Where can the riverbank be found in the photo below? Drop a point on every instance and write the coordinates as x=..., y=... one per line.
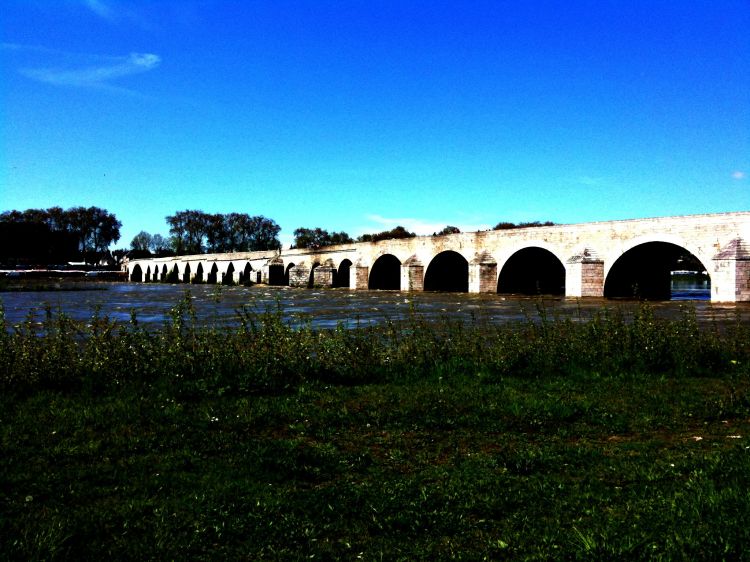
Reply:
x=621, y=437
x=36, y=280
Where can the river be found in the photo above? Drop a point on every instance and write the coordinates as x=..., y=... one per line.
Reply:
x=327, y=308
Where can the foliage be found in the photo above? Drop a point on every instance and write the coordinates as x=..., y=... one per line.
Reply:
x=55, y=234
x=621, y=437
x=194, y=232
x=318, y=238
x=448, y=230
x=398, y=232
x=511, y=225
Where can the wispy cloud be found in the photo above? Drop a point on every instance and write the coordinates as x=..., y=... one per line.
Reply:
x=79, y=70
x=739, y=175
x=418, y=226
x=101, y=9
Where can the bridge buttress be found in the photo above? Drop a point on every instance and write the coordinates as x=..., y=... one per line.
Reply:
x=730, y=278
x=584, y=275
x=359, y=277
x=323, y=275
x=483, y=274
x=412, y=275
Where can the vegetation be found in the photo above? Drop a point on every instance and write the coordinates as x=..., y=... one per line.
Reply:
x=398, y=232
x=511, y=225
x=448, y=230
x=317, y=238
x=56, y=235
x=619, y=437
x=196, y=232
x=145, y=244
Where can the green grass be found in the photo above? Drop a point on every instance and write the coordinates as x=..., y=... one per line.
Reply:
x=623, y=437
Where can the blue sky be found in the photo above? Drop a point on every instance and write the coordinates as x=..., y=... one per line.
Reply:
x=361, y=115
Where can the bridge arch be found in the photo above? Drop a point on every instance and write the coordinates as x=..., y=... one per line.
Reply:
x=385, y=273
x=198, y=277
x=213, y=274
x=341, y=276
x=227, y=278
x=246, y=274
x=288, y=269
x=532, y=270
x=136, y=274
x=645, y=269
x=447, y=271
x=186, y=273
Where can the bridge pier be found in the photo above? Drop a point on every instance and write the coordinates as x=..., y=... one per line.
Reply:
x=584, y=276
x=730, y=279
x=359, y=277
x=412, y=275
x=324, y=274
x=483, y=274
x=299, y=275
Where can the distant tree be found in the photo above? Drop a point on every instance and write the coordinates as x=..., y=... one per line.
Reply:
x=318, y=238
x=448, y=230
x=511, y=225
x=141, y=241
x=398, y=232
x=79, y=232
x=263, y=234
x=189, y=231
x=159, y=245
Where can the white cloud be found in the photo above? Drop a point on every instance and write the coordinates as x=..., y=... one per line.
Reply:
x=739, y=175
x=101, y=9
x=99, y=75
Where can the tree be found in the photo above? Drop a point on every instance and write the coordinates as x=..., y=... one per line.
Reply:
x=195, y=231
x=61, y=234
x=188, y=229
x=141, y=241
x=398, y=232
x=159, y=245
x=448, y=230
x=263, y=234
x=510, y=225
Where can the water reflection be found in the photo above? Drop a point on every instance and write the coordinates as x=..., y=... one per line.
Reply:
x=217, y=305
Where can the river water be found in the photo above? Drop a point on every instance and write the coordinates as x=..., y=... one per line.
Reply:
x=327, y=308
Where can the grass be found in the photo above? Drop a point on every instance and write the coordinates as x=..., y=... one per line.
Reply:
x=620, y=437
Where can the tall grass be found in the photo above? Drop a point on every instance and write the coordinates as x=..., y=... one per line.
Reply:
x=620, y=437
x=263, y=353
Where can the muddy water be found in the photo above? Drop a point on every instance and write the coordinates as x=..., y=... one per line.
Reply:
x=323, y=308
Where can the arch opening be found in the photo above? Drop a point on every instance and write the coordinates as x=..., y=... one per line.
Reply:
x=286, y=274
x=198, y=277
x=228, y=277
x=136, y=274
x=311, y=278
x=449, y=272
x=385, y=274
x=186, y=274
x=147, y=275
x=213, y=274
x=341, y=275
x=246, y=275
x=174, y=275
x=532, y=271
x=164, y=273
x=658, y=271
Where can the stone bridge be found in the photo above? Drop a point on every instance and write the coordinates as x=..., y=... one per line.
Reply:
x=628, y=258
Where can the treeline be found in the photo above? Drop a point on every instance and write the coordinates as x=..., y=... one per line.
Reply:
x=195, y=232
x=57, y=235
x=318, y=237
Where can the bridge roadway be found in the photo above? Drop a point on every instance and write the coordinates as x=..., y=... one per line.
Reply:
x=624, y=258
